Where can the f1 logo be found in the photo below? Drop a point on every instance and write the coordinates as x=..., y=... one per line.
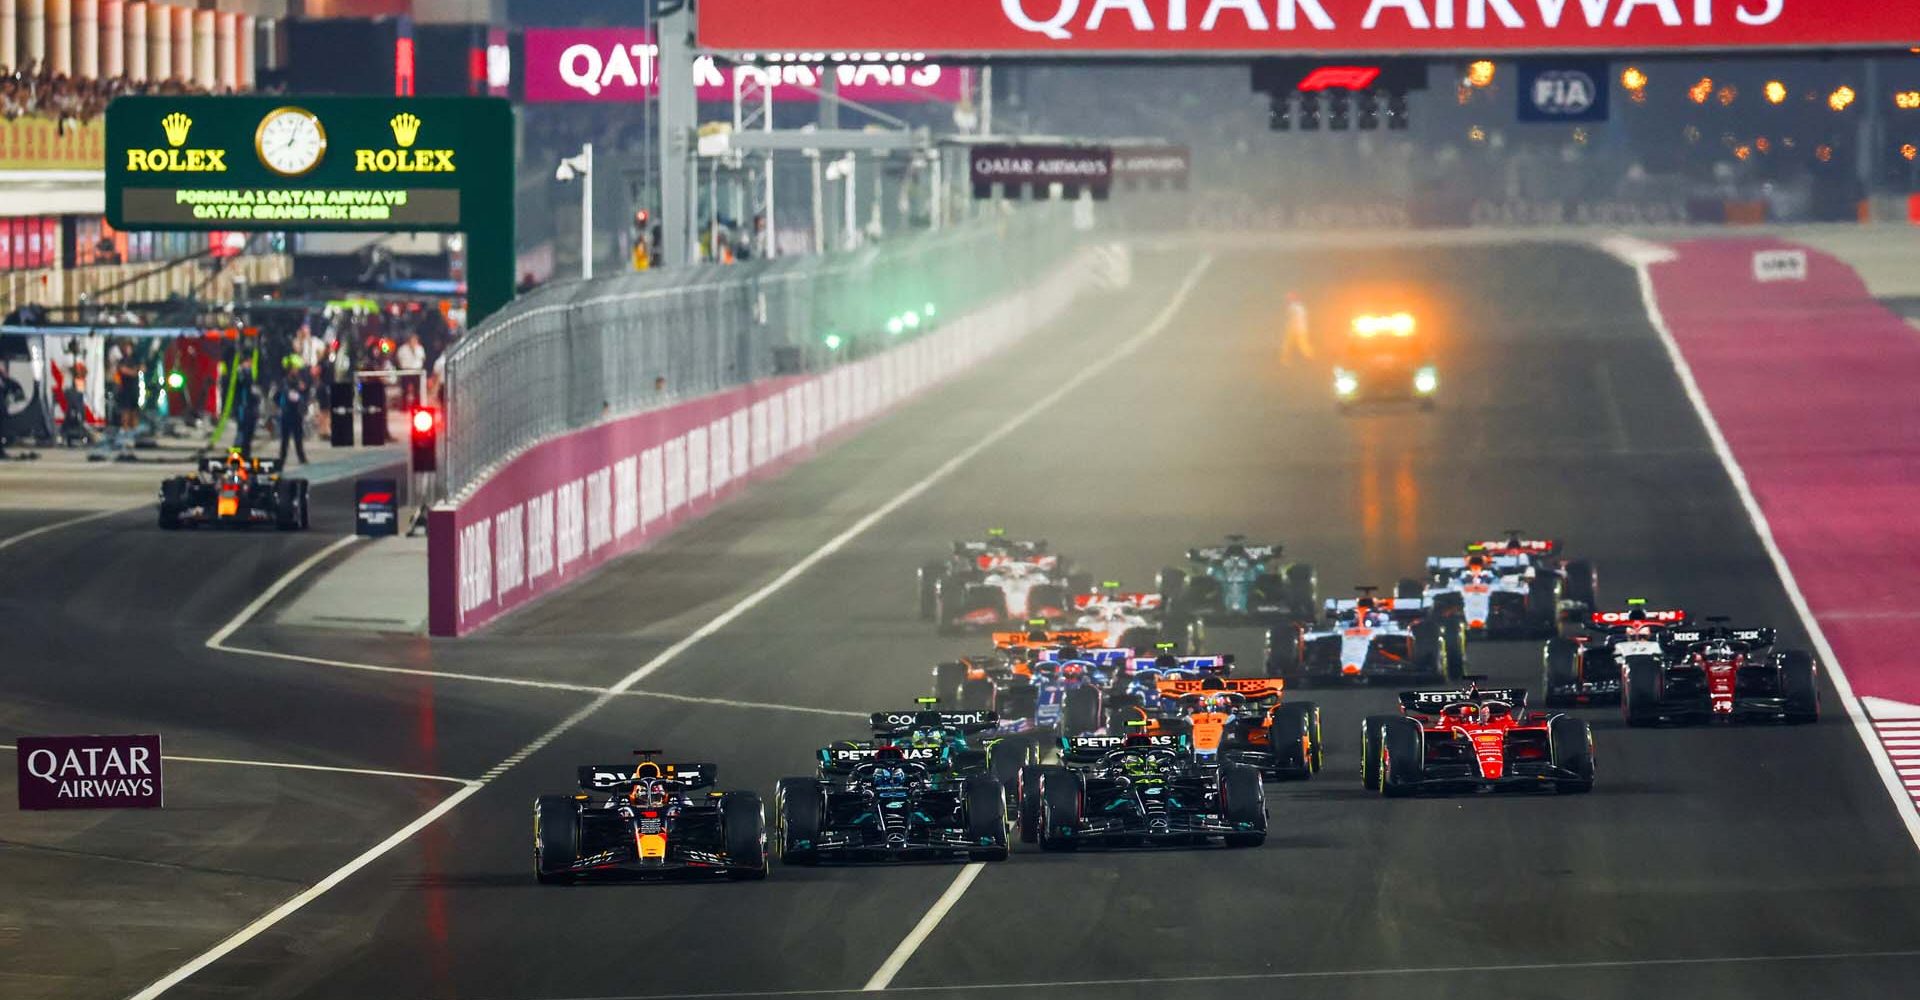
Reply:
x=1340, y=78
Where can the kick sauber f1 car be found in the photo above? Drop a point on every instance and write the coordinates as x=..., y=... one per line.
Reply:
x=1140, y=790
x=1369, y=639
x=1236, y=584
x=889, y=803
x=235, y=491
x=1720, y=673
x=1585, y=670
x=1473, y=739
x=990, y=583
x=651, y=821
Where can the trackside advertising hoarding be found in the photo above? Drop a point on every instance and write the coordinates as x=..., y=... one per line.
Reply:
x=90, y=772
x=620, y=64
x=1307, y=27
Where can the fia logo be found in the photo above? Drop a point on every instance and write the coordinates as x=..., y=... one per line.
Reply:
x=1564, y=92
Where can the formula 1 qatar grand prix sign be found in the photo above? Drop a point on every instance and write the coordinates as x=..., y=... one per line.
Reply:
x=90, y=772
x=1229, y=27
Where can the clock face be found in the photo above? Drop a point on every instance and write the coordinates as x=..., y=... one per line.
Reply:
x=290, y=141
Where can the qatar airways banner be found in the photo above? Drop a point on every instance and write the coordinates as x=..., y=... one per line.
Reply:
x=1228, y=27
x=619, y=64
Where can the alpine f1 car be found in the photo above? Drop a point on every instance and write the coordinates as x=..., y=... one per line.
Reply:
x=1369, y=639
x=1237, y=584
x=1472, y=739
x=649, y=821
x=1385, y=357
x=990, y=583
x=236, y=491
x=1585, y=670
x=1234, y=721
x=889, y=803
x=1038, y=680
x=1140, y=790
x=1503, y=596
x=1719, y=673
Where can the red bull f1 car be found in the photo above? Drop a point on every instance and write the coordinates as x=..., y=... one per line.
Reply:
x=1474, y=739
x=655, y=820
x=1720, y=673
x=234, y=492
x=1140, y=790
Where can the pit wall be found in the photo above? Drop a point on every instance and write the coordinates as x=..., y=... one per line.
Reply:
x=1816, y=388
x=559, y=511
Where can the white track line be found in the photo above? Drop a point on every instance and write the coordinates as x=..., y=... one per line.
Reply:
x=12, y=540
x=290, y=766
x=1641, y=256
x=625, y=685
x=266, y=596
x=897, y=959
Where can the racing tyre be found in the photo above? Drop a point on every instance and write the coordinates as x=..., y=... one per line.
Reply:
x=1640, y=690
x=1172, y=584
x=1005, y=760
x=1543, y=605
x=1079, y=583
x=173, y=499
x=1800, y=685
x=1559, y=685
x=929, y=581
x=1290, y=738
x=743, y=829
x=1283, y=653
x=799, y=809
x=1429, y=656
x=556, y=838
x=306, y=507
x=1029, y=812
x=986, y=816
x=1080, y=711
x=1453, y=648
x=1408, y=587
x=975, y=692
x=1015, y=701
x=286, y=505
x=1403, y=758
x=1303, y=586
x=1196, y=636
x=1449, y=607
x=1583, y=584
x=1572, y=743
x=1371, y=729
x=1318, y=750
x=949, y=684
x=1062, y=802
x=1243, y=804
x=1048, y=601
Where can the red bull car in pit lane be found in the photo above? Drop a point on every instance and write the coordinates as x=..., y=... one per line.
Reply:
x=1369, y=639
x=234, y=492
x=1718, y=673
x=992, y=583
x=1474, y=739
x=650, y=821
x=1585, y=670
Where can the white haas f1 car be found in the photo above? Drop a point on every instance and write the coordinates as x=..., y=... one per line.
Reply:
x=1585, y=670
x=1495, y=596
x=1121, y=619
x=1474, y=739
x=1719, y=673
x=992, y=583
x=1369, y=639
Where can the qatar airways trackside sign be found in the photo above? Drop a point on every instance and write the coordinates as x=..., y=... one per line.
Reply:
x=1227, y=27
x=90, y=772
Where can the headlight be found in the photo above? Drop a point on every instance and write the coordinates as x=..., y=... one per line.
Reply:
x=1398, y=324
x=1344, y=383
x=1425, y=381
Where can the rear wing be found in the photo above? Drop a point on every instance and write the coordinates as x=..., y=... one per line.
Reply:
x=1250, y=688
x=1104, y=656
x=610, y=777
x=1430, y=702
x=1089, y=748
x=1750, y=639
x=1401, y=608
x=1131, y=601
x=844, y=757
x=1454, y=564
x=1218, y=663
x=1650, y=616
x=1212, y=553
x=894, y=723
x=1000, y=544
x=1048, y=637
x=1517, y=546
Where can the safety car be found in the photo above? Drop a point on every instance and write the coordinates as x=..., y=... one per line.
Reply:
x=1385, y=358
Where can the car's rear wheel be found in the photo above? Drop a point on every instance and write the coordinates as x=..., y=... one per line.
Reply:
x=948, y=683
x=1243, y=803
x=743, y=829
x=1404, y=756
x=799, y=809
x=1030, y=810
x=1408, y=587
x=1371, y=740
x=1583, y=584
x=986, y=816
x=1080, y=711
x=1005, y=760
x=1290, y=739
x=1283, y=653
x=1303, y=586
x=173, y=500
x=1571, y=740
x=1640, y=684
x=928, y=580
x=556, y=838
x=1800, y=685
x=1453, y=649
x=1062, y=802
x=1543, y=604
x=1559, y=686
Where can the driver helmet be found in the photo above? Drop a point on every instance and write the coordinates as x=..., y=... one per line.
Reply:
x=1476, y=563
x=923, y=736
x=1214, y=701
x=1139, y=765
x=1720, y=651
x=650, y=793
x=1166, y=661
x=1073, y=671
x=889, y=775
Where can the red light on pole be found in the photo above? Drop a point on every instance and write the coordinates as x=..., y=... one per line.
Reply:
x=1340, y=78
x=425, y=439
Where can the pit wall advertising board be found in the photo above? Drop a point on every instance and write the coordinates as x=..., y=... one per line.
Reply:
x=1230, y=27
x=90, y=772
x=618, y=64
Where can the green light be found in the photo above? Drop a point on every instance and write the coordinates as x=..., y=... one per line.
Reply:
x=895, y=325
x=1110, y=584
x=928, y=701
x=1633, y=601
x=175, y=380
x=832, y=341
x=912, y=319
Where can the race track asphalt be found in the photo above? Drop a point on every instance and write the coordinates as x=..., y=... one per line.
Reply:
x=1759, y=862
